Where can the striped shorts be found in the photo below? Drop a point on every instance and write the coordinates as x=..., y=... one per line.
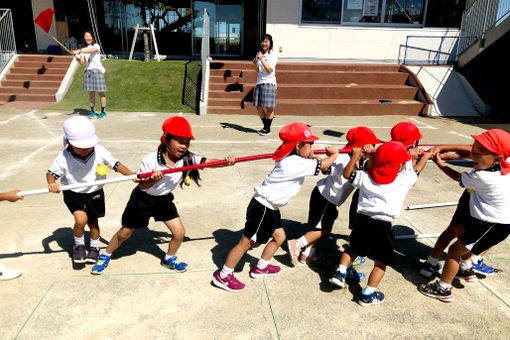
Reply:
x=93, y=80
x=265, y=95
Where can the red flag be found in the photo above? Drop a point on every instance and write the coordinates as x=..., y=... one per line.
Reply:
x=44, y=19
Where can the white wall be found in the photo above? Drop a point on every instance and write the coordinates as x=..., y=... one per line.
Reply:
x=42, y=38
x=380, y=44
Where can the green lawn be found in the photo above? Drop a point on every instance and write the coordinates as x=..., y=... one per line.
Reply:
x=133, y=86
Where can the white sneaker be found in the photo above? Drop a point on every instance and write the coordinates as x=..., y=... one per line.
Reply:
x=8, y=274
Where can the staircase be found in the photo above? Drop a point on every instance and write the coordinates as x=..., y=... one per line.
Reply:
x=318, y=89
x=34, y=78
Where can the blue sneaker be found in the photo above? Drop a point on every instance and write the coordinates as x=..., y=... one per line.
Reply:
x=101, y=264
x=101, y=115
x=92, y=114
x=482, y=268
x=359, y=261
x=428, y=270
x=339, y=279
x=372, y=299
x=174, y=263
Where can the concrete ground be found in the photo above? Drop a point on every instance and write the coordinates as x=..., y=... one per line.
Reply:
x=138, y=298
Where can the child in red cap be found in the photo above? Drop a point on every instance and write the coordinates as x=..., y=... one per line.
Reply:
x=489, y=204
x=294, y=161
x=329, y=193
x=383, y=189
x=153, y=196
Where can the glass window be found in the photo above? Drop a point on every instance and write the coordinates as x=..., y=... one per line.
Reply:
x=362, y=11
x=404, y=11
x=321, y=11
x=445, y=13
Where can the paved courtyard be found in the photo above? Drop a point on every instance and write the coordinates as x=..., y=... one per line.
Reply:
x=139, y=299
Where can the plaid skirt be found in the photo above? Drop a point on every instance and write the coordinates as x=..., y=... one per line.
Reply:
x=265, y=95
x=93, y=80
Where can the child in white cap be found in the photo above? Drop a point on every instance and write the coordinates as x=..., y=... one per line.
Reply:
x=82, y=161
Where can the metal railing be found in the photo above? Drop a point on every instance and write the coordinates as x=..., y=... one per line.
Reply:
x=206, y=60
x=479, y=18
x=7, y=42
x=429, y=50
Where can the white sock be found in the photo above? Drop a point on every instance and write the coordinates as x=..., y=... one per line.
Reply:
x=444, y=285
x=368, y=290
x=168, y=257
x=109, y=255
x=262, y=263
x=342, y=269
x=465, y=265
x=301, y=242
x=79, y=241
x=309, y=251
x=94, y=243
x=476, y=258
x=432, y=260
x=226, y=271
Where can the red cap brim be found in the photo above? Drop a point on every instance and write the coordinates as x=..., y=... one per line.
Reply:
x=283, y=150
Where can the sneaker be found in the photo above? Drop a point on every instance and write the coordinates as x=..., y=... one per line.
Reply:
x=428, y=270
x=355, y=276
x=270, y=270
x=79, y=254
x=92, y=255
x=339, y=279
x=8, y=273
x=229, y=283
x=468, y=275
x=101, y=264
x=174, y=263
x=373, y=299
x=435, y=291
x=482, y=268
x=264, y=132
x=359, y=261
x=312, y=259
x=92, y=114
x=294, y=251
x=101, y=115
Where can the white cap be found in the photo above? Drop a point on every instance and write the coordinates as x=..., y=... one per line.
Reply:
x=80, y=132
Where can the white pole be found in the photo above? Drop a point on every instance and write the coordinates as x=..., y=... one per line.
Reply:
x=432, y=205
x=408, y=237
x=78, y=185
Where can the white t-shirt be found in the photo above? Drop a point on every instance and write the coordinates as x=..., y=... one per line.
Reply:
x=383, y=201
x=263, y=77
x=155, y=161
x=335, y=188
x=285, y=180
x=72, y=169
x=93, y=60
x=490, y=195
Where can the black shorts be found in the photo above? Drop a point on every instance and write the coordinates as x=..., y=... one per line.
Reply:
x=353, y=209
x=372, y=238
x=142, y=206
x=480, y=236
x=321, y=212
x=92, y=204
x=462, y=212
x=261, y=222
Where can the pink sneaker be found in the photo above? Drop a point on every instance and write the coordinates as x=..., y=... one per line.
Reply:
x=315, y=258
x=294, y=251
x=229, y=283
x=270, y=270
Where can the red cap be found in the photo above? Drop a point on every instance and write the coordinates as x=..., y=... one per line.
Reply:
x=291, y=135
x=359, y=136
x=177, y=126
x=387, y=160
x=497, y=141
x=406, y=132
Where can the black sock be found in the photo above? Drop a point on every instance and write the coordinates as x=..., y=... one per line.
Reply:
x=91, y=109
x=267, y=124
x=263, y=122
x=103, y=108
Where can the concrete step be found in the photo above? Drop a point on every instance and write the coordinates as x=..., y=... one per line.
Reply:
x=327, y=91
x=347, y=107
x=233, y=65
x=32, y=83
x=30, y=90
x=42, y=65
x=46, y=58
x=32, y=70
x=23, y=76
x=26, y=97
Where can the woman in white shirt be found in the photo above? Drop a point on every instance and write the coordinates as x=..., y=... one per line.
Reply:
x=93, y=78
x=265, y=89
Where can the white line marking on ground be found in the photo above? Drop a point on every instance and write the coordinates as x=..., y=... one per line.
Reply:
x=17, y=116
x=425, y=125
x=460, y=134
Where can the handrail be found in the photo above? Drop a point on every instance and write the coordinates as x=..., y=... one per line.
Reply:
x=206, y=59
x=7, y=42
